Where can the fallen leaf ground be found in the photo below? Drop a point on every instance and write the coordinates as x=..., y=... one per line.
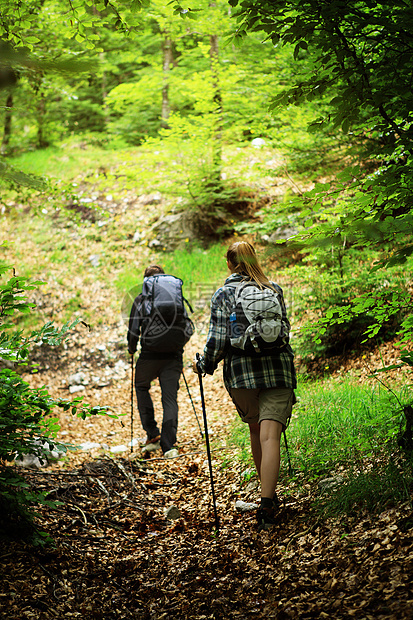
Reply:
x=116, y=554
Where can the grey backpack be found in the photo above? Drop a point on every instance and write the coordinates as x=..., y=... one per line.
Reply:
x=256, y=321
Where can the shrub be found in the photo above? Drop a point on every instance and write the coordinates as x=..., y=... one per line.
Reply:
x=26, y=424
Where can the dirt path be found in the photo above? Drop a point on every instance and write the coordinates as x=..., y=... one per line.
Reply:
x=118, y=555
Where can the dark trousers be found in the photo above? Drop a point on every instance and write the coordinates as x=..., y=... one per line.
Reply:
x=168, y=371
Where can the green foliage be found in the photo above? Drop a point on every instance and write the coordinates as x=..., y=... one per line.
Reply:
x=196, y=173
x=26, y=427
x=343, y=302
x=357, y=53
x=277, y=215
x=135, y=109
x=111, y=84
x=12, y=176
x=348, y=431
x=14, y=346
x=25, y=413
x=329, y=34
x=81, y=20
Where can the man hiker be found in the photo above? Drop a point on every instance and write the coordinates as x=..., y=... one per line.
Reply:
x=159, y=320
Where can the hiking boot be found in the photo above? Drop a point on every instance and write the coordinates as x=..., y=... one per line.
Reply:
x=276, y=502
x=265, y=518
x=171, y=454
x=153, y=440
x=152, y=444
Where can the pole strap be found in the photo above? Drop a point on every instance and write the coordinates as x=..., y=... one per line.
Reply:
x=131, y=406
x=192, y=403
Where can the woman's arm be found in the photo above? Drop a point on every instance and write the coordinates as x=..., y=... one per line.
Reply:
x=218, y=335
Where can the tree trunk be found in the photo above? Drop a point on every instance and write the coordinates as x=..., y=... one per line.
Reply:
x=104, y=89
x=217, y=98
x=166, y=66
x=7, y=124
x=41, y=110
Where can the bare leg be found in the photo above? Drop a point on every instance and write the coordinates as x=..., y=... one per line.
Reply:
x=270, y=435
x=265, y=447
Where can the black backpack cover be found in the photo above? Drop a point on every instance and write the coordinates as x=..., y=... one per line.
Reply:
x=166, y=326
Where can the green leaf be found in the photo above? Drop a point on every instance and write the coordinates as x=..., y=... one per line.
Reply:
x=345, y=125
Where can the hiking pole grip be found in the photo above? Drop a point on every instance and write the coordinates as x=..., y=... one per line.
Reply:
x=201, y=389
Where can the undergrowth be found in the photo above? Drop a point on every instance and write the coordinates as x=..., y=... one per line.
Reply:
x=380, y=485
x=348, y=432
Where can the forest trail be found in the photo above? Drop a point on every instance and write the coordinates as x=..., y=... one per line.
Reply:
x=118, y=556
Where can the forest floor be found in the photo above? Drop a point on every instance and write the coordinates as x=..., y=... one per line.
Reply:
x=118, y=554
x=137, y=539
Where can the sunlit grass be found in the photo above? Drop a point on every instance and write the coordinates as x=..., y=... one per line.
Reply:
x=340, y=421
x=68, y=160
x=199, y=269
x=348, y=430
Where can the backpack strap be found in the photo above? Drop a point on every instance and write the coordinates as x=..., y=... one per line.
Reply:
x=187, y=303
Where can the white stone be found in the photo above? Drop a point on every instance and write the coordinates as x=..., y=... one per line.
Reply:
x=121, y=448
x=257, y=142
x=241, y=506
x=89, y=445
x=76, y=388
x=77, y=379
x=94, y=259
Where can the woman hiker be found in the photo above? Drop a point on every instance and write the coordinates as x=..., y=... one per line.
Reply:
x=261, y=385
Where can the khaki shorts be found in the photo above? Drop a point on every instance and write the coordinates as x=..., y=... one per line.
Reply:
x=255, y=405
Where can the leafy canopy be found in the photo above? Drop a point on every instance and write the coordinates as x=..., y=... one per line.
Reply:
x=359, y=61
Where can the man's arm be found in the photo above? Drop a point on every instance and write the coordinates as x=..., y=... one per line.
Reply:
x=134, y=328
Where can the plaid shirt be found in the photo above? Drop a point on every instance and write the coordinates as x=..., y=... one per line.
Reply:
x=243, y=371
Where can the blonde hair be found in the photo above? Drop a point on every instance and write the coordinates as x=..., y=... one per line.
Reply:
x=241, y=255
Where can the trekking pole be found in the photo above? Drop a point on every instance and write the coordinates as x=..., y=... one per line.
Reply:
x=201, y=389
x=131, y=407
x=290, y=469
x=193, y=406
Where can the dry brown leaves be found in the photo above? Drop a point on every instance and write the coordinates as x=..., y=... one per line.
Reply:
x=117, y=555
